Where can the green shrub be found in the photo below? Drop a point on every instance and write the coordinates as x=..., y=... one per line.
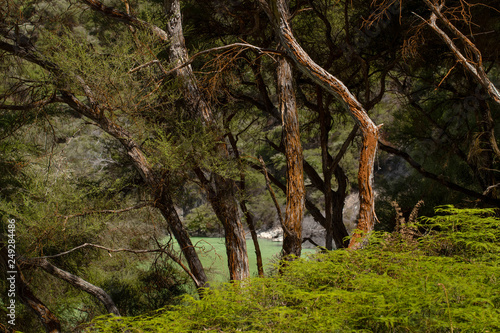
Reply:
x=382, y=288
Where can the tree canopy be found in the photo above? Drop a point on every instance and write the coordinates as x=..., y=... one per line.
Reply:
x=127, y=127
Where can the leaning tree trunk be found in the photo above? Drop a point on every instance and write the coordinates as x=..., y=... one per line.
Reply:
x=194, y=102
x=134, y=151
x=221, y=191
x=49, y=321
x=277, y=10
x=162, y=199
x=295, y=190
x=79, y=283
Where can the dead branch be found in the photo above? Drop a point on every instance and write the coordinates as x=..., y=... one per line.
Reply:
x=473, y=66
x=102, y=248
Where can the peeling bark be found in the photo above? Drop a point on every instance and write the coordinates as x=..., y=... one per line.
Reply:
x=222, y=191
x=295, y=190
x=277, y=11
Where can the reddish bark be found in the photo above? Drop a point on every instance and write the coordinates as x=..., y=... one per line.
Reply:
x=277, y=11
x=295, y=190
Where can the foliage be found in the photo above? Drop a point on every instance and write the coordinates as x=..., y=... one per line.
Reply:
x=201, y=221
x=393, y=285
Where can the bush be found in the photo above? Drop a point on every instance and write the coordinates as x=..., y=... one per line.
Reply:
x=382, y=288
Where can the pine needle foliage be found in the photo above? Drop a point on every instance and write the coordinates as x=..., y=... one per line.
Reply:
x=447, y=282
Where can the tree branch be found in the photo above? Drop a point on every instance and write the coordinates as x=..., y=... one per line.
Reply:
x=107, y=211
x=343, y=149
x=79, y=283
x=110, y=250
x=385, y=146
x=474, y=67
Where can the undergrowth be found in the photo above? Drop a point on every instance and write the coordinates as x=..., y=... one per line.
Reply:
x=445, y=278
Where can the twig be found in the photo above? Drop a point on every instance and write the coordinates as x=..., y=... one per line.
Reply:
x=190, y=60
x=99, y=247
x=152, y=62
x=106, y=211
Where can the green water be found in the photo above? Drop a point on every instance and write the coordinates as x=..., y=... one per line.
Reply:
x=212, y=252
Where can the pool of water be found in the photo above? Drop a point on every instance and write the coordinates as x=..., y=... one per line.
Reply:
x=212, y=252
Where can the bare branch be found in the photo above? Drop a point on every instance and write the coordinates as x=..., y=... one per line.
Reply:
x=215, y=49
x=110, y=211
x=385, y=146
x=475, y=66
x=102, y=248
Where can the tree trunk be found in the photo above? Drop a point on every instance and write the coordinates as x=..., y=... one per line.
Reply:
x=334, y=200
x=23, y=291
x=277, y=11
x=79, y=283
x=243, y=205
x=295, y=190
x=340, y=233
x=325, y=122
x=221, y=191
x=167, y=209
x=253, y=233
x=163, y=201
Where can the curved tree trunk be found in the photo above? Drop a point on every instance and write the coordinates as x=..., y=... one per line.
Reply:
x=277, y=11
x=79, y=283
x=295, y=190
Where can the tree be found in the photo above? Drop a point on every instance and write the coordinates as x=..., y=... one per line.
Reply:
x=278, y=14
x=295, y=191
